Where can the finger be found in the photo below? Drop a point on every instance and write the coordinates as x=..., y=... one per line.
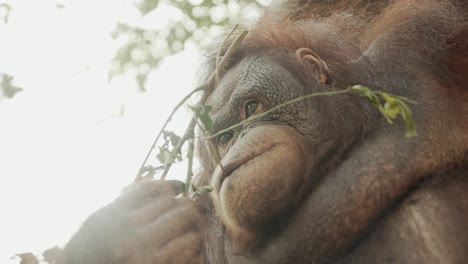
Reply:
x=153, y=210
x=141, y=193
x=177, y=186
x=156, y=187
x=184, y=249
x=173, y=224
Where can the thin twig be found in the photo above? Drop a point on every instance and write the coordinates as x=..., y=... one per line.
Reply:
x=228, y=56
x=218, y=55
x=211, y=148
x=140, y=171
x=188, y=134
x=188, y=178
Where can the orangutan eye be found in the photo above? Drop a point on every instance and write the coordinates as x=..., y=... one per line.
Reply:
x=224, y=138
x=251, y=107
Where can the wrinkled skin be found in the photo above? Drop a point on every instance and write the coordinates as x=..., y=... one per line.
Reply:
x=326, y=179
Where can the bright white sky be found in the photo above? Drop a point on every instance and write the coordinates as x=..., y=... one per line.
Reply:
x=64, y=148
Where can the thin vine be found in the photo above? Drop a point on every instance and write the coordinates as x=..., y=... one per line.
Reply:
x=393, y=105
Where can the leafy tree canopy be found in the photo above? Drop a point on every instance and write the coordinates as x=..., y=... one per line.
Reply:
x=145, y=48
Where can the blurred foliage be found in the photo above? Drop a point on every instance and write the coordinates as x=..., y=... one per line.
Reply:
x=7, y=88
x=5, y=12
x=60, y=5
x=51, y=256
x=27, y=258
x=145, y=48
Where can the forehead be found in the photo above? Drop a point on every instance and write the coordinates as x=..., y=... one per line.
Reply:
x=259, y=72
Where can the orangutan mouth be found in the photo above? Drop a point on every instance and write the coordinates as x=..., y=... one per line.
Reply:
x=229, y=168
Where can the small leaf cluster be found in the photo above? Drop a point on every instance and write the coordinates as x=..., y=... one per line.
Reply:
x=7, y=88
x=170, y=151
x=167, y=152
x=390, y=106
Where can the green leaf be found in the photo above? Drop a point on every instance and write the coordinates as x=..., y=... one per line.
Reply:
x=390, y=99
x=360, y=89
x=172, y=137
x=164, y=156
x=203, y=114
x=391, y=110
x=368, y=93
x=407, y=116
x=393, y=106
x=6, y=86
x=199, y=190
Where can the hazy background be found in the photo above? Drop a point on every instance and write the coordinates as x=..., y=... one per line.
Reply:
x=84, y=87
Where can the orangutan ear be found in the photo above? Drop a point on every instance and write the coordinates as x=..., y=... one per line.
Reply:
x=311, y=58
